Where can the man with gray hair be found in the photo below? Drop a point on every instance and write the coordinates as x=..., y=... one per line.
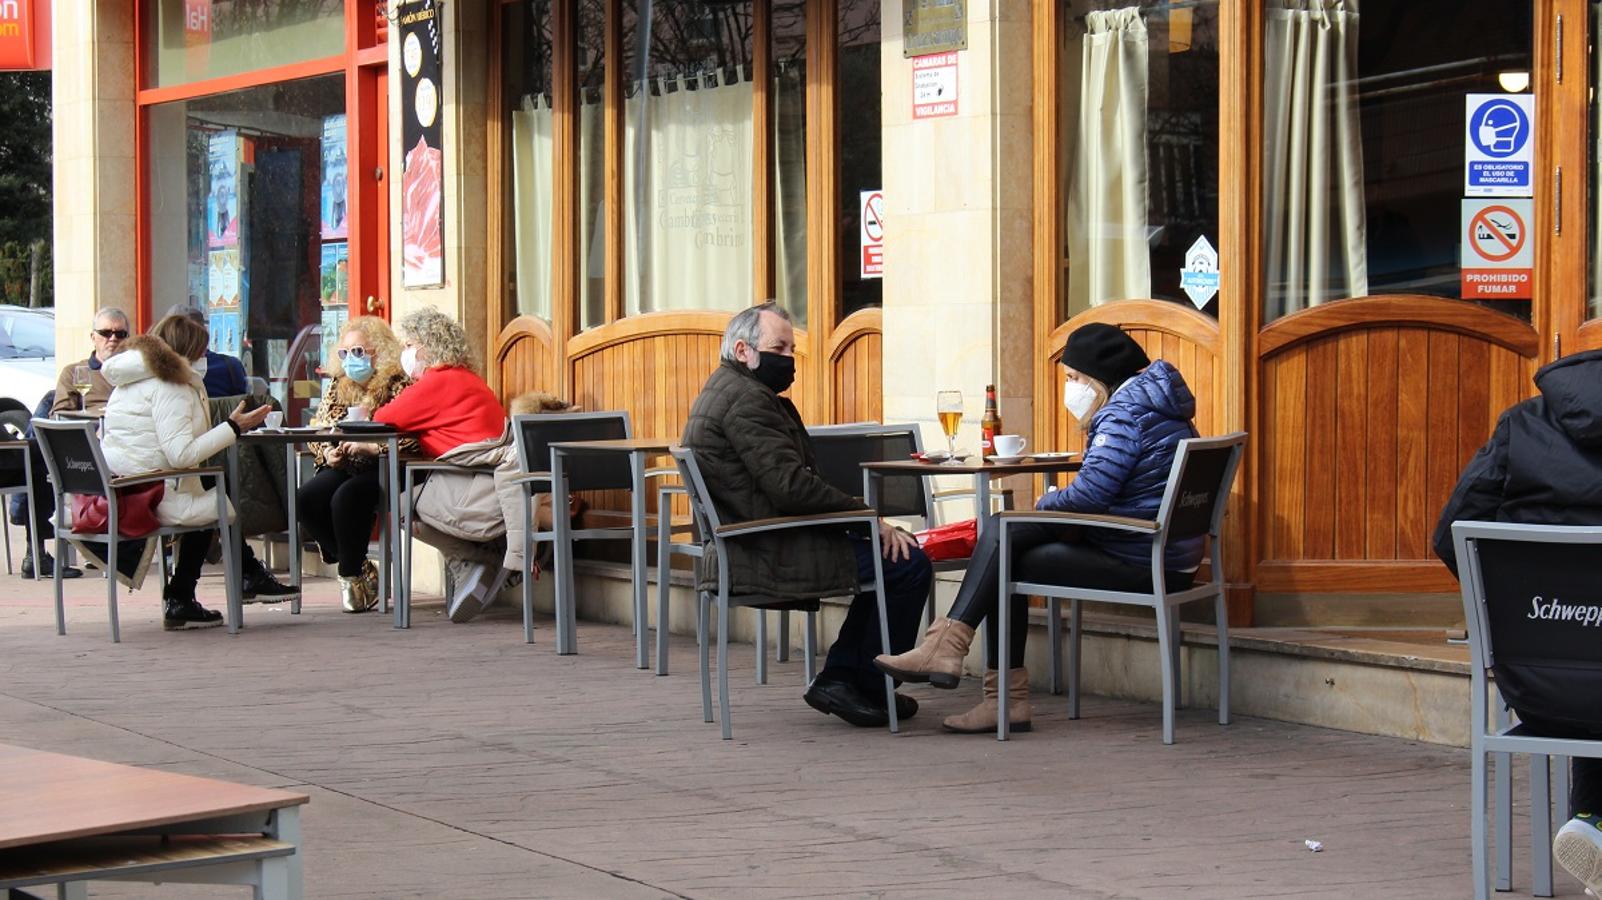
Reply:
x=758, y=463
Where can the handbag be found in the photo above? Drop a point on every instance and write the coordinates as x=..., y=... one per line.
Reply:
x=954, y=540
x=136, y=511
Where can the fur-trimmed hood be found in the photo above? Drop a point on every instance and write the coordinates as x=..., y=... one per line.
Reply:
x=539, y=402
x=144, y=357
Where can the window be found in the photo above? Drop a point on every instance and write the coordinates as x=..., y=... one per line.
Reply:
x=1138, y=121
x=859, y=136
x=789, y=41
x=190, y=41
x=247, y=218
x=687, y=127
x=1363, y=130
x=527, y=64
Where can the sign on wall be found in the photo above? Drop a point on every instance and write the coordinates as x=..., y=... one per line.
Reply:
x=17, y=37
x=1499, y=145
x=934, y=86
x=336, y=183
x=1199, y=278
x=1498, y=258
x=933, y=26
x=422, y=136
x=872, y=234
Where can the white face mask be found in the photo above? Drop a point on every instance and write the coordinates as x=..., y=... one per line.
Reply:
x=1079, y=399
x=199, y=366
x=409, y=363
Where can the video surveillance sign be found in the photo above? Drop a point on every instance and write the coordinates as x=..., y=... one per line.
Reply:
x=1499, y=146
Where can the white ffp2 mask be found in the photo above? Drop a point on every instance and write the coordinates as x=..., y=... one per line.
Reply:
x=1079, y=399
x=409, y=363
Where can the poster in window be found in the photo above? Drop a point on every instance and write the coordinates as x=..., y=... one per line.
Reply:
x=422, y=173
x=222, y=201
x=336, y=275
x=336, y=185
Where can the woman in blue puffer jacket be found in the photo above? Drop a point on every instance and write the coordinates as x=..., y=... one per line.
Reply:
x=1135, y=413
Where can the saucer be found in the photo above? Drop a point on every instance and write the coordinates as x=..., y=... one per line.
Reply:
x=1053, y=454
x=1006, y=460
x=940, y=456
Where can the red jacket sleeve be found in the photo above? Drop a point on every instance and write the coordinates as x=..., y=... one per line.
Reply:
x=408, y=411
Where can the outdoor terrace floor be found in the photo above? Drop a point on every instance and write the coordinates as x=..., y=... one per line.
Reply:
x=455, y=761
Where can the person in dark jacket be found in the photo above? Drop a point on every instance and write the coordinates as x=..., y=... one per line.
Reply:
x=1543, y=466
x=222, y=375
x=1135, y=413
x=758, y=462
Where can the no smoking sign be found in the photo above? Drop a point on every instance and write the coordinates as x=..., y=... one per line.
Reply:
x=1498, y=258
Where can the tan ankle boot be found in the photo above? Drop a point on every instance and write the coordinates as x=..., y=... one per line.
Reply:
x=982, y=718
x=938, y=657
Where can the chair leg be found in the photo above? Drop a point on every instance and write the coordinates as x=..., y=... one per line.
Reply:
x=7, y=526
x=1480, y=867
x=723, y=665
x=236, y=604
x=809, y=646
x=884, y=634
x=1165, y=639
x=61, y=558
x=664, y=571
x=1560, y=788
x=1176, y=649
x=111, y=578
x=702, y=615
x=762, y=646
x=1221, y=612
x=1076, y=625
x=528, y=569
x=929, y=605
x=782, y=654
x=1540, y=825
x=1504, y=807
x=1054, y=638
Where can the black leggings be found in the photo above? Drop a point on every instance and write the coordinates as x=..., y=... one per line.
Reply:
x=339, y=508
x=1585, y=783
x=1043, y=554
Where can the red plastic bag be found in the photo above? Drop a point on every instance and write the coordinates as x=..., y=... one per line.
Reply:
x=954, y=540
x=136, y=511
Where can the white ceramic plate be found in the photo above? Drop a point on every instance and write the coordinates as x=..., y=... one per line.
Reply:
x=940, y=456
x=1054, y=454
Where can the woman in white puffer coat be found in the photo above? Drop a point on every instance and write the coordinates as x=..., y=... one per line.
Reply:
x=157, y=419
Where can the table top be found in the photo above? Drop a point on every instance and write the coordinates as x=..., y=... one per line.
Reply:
x=617, y=445
x=319, y=437
x=1024, y=466
x=53, y=797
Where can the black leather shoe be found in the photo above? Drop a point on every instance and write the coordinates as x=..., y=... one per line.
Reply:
x=49, y=568
x=182, y=615
x=262, y=586
x=833, y=696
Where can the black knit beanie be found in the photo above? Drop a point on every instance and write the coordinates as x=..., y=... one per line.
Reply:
x=1105, y=353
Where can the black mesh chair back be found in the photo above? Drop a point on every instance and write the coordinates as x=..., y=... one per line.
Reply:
x=536, y=432
x=1198, y=488
x=841, y=451
x=702, y=512
x=72, y=455
x=1538, y=599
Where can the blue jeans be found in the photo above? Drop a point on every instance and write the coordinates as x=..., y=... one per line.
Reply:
x=906, y=589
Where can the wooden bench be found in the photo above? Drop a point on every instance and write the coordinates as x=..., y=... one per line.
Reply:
x=67, y=821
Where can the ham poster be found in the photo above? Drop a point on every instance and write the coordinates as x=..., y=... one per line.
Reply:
x=422, y=171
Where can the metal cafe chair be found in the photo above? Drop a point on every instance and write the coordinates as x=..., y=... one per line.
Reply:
x=534, y=433
x=73, y=457
x=26, y=490
x=1193, y=506
x=715, y=538
x=1501, y=567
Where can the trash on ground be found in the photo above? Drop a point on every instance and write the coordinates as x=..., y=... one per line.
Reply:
x=1314, y=846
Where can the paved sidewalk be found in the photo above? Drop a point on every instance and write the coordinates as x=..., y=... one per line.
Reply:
x=455, y=761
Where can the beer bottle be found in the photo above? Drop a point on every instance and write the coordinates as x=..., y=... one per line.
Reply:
x=990, y=425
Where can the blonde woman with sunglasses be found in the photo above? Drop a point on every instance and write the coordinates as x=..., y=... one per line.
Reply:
x=339, y=504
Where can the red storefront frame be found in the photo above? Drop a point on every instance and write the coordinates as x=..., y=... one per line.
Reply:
x=365, y=65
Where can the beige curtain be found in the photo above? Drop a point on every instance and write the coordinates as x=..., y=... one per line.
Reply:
x=592, y=190
x=531, y=206
x=1108, y=255
x=1315, y=228
x=687, y=196
x=1594, y=303
x=790, y=191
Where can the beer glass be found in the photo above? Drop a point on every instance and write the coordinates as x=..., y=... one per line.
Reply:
x=949, y=405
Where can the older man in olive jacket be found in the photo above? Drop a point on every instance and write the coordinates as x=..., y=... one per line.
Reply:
x=758, y=463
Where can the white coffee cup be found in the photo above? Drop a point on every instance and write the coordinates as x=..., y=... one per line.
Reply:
x=1008, y=444
x=356, y=414
x=274, y=421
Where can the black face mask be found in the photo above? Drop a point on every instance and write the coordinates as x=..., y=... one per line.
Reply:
x=775, y=370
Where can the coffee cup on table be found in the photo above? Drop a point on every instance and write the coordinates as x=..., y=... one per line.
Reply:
x=1008, y=444
x=274, y=421
x=356, y=414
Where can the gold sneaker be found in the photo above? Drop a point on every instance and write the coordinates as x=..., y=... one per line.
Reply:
x=355, y=596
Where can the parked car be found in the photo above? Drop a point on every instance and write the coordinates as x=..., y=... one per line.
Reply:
x=27, y=364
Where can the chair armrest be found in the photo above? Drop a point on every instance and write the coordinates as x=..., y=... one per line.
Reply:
x=673, y=489
x=446, y=467
x=1089, y=520
x=23, y=445
x=529, y=478
x=780, y=523
x=951, y=493
x=163, y=475
x=662, y=472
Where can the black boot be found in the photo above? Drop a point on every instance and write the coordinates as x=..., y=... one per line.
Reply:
x=260, y=585
x=48, y=570
x=179, y=615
